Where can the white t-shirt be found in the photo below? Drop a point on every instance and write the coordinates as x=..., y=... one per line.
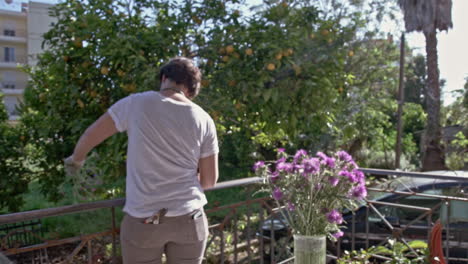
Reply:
x=166, y=139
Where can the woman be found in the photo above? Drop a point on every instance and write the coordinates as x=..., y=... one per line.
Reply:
x=169, y=139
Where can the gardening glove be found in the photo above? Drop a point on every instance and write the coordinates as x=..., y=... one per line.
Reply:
x=72, y=167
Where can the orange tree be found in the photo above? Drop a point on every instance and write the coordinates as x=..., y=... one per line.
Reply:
x=273, y=78
x=277, y=77
x=14, y=161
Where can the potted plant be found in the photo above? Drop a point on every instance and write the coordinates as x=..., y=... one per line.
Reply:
x=314, y=190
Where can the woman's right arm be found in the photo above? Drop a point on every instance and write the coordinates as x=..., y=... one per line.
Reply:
x=208, y=171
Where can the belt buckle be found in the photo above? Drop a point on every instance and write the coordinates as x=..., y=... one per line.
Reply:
x=156, y=217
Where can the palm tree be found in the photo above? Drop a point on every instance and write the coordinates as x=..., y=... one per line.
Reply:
x=428, y=16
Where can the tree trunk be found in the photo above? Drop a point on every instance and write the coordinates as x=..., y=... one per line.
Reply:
x=433, y=151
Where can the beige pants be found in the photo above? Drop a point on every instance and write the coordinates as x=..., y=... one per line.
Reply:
x=181, y=238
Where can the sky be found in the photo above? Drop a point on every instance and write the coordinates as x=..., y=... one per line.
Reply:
x=452, y=45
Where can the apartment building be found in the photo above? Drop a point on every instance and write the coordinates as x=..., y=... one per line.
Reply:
x=21, y=29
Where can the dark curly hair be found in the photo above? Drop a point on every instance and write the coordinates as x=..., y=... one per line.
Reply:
x=182, y=70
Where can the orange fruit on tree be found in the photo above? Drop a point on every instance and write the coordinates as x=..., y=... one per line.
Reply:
x=249, y=51
x=120, y=73
x=225, y=58
x=325, y=32
x=78, y=43
x=222, y=51
x=232, y=83
x=271, y=67
x=290, y=51
x=351, y=53
x=205, y=83
x=197, y=20
x=105, y=70
x=229, y=49
x=86, y=64
x=130, y=87
x=279, y=56
x=80, y=103
x=297, y=69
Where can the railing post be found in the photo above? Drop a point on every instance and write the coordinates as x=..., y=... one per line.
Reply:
x=249, y=248
x=221, y=245
x=272, y=240
x=114, y=240
x=367, y=227
x=447, y=233
x=90, y=252
x=235, y=237
x=262, y=246
x=353, y=232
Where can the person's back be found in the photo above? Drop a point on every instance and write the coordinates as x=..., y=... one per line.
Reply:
x=170, y=139
x=166, y=139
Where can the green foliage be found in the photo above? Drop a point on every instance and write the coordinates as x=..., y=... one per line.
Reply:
x=3, y=111
x=415, y=80
x=13, y=167
x=458, y=158
x=398, y=252
x=293, y=74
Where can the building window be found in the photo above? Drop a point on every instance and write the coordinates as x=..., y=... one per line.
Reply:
x=9, y=32
x=9, y=54
x=8, y=80
x=8, y=85
x=11, y=104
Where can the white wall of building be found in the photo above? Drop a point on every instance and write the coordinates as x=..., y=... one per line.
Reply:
x=21, y=31
x=39, y=22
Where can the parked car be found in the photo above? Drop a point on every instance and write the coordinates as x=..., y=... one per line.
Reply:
x=398, y=216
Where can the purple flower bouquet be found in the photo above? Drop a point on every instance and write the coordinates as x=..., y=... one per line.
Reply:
x=315, y=190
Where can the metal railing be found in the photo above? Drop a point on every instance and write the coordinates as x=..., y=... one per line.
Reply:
x=253, y=231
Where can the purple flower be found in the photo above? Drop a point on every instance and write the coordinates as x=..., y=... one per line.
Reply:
x=274, y=177
x=344, y=156
x=334, y=217
x=359, y=191
x=352, y=165
x=298, y=167
x=291, y=206
x=284, y=166
x=333, y=180
x=311, y=165
x=338, y=234
x=330, y=162
x=360, y=177
x=350, y=176
x=280, y=150
x=322, y=155
x=299, y=155
x=258, y=165
x=277, y=194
